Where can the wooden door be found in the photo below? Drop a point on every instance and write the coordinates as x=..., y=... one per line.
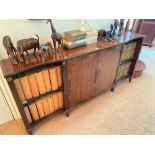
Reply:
x=108, y=61
x=81, y=76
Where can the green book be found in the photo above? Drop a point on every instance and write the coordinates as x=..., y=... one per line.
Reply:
x=76, y=38
x=75, y=46
x=72, y=34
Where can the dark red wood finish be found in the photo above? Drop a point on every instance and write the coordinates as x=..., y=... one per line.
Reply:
x=107, y=71
x=87, y=71
x=9, y=69
x=19, y=105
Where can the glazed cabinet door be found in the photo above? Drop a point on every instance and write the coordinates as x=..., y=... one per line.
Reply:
x=81, y=76
x=108, y=61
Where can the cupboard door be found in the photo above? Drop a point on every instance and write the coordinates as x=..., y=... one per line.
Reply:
x=81, y=74
x=108, y=61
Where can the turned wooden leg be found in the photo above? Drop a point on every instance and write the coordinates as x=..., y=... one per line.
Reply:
x=130, y=79
x=29, y=131
x=67, y=114
x=112, y=89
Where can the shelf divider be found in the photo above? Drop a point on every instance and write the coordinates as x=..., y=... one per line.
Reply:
x=30, y=101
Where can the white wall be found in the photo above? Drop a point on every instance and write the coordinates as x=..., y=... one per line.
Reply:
x=96, y=24
x=24, y=28
x=5, y=113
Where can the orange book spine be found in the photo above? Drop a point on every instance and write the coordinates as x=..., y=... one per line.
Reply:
x=61, y=100
x=40, y=108
x=33, y=85
x=53, y=77
x=28, y=114
x=56, y=101
x=40, y=82
x=59, y=75
x=26, y=88
x=47, y=80
x=34, y=112
x=45, y=106
x=19, y=90
x=50, y=104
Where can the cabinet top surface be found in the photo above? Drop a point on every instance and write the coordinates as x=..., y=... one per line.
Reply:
x=9, y=69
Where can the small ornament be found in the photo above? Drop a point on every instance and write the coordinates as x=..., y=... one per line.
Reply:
x=101, y=35
x=11, y=50
x=127, y=25
x=115, y=27
x=56, y=36
x=26, y=44
x=121, y=27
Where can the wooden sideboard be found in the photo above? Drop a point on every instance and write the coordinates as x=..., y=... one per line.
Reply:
x=86, y=71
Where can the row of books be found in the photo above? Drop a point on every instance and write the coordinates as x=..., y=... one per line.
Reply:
x=34, y=84
x=74, y=39
x=44, y=106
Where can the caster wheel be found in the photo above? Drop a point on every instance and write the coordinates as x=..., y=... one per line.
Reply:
x=67, y=114
x=130, y=79
x=30, y=132
x=112, y=89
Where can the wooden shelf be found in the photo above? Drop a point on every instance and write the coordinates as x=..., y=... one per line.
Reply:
x=123, y=78
x=127, y=60
x=30, y=101
x=42, y=119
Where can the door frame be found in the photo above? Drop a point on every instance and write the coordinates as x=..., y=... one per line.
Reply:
x=8, y=96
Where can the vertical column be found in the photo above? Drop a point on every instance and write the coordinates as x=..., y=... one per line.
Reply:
x=19, y=104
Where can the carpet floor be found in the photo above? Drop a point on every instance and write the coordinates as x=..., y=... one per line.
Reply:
x=129, y=110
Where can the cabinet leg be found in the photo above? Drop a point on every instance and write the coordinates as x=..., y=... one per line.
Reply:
x=29, y=131
x=112, y=89
x=67, y=114
x=130, y=79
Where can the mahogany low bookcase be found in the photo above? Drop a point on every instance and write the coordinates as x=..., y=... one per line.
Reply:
x=59, y=83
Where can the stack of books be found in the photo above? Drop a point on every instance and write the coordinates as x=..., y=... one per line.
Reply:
x=74, y=39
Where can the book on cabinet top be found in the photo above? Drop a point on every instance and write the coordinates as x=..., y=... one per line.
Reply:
x=76, y=45
x=74, y=33
x=71, y=43
x=75, y=38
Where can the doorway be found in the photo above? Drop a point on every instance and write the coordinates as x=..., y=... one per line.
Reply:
x=5, y=112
